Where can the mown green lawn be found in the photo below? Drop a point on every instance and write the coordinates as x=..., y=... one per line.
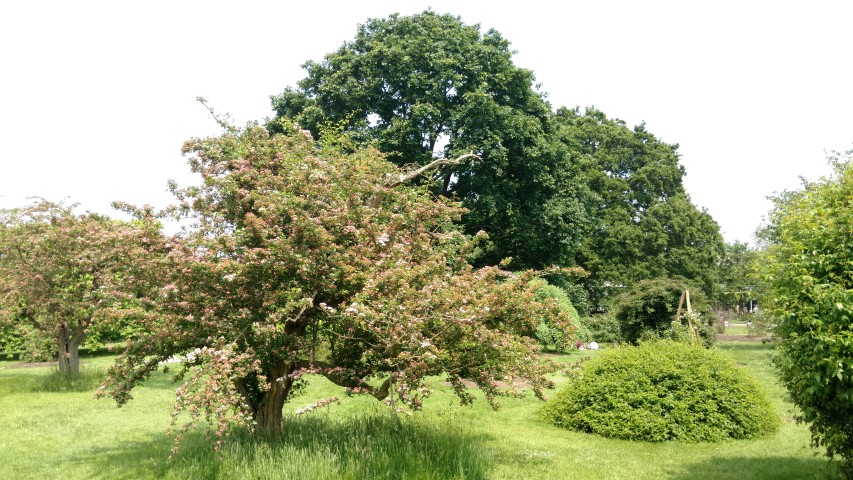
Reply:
x=738, y=329
x=69, y=435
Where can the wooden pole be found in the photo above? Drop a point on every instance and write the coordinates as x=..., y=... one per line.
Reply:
x=687, y=295
x=678, y=312
x=694, y=334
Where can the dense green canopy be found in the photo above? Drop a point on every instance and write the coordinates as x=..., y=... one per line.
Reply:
x=646, y=225
x=428, y=86
x=549, y=188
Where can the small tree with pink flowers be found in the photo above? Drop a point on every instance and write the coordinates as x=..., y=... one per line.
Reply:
x=322, y=258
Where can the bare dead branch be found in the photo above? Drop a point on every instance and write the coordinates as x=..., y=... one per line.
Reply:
x=403, y=177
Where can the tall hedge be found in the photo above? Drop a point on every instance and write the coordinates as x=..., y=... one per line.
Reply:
x=552, y=336
x=810, y=274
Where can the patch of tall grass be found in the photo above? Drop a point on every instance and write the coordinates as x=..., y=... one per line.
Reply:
x=359, y=447
x=55, y=381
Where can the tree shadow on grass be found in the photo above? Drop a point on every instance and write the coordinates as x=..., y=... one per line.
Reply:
x=127, y=460
x=765, y=468
x=366, y=447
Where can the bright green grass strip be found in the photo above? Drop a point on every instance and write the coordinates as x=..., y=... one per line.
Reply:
x=68, y=434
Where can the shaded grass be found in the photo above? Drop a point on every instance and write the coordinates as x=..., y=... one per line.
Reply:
x=69, y=435
x=55, y=381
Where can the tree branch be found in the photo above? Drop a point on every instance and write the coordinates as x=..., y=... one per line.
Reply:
x=407, y=177
x=395, y=180
x=338, y=378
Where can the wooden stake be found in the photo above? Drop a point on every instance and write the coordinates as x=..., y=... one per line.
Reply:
x=678, y=312
x=687, y=295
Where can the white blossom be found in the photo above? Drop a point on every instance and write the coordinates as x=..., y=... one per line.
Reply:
x=383, y=239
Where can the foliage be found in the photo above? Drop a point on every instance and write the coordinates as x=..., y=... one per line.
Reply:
x=809, y=269
x=645, y=225
x=664, y=390
x=739, y=282
x=648, y=310
x=427, y=85
x=603, y=328
x=552, y=336
x=549, y=188
x=575, y=290
x=545, y=290
x=25, y=342
x=59, y=273
x=298, y=245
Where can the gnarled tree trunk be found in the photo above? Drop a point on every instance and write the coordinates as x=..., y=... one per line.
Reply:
x=268, y=413
x=68, y=350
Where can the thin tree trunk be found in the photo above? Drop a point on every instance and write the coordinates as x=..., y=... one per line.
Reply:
x=74, y=353
x=62, y=349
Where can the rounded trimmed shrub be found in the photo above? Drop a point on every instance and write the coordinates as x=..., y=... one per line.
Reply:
x=663, y=390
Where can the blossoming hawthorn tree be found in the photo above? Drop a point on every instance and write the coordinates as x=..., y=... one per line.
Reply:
x=60, y=272
x=299, y=246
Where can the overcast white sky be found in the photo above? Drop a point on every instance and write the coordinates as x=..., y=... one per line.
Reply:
x=96, y=98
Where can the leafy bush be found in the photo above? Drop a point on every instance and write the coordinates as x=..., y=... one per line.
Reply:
x=550, y=336
x=10, y=341
x=577, y=293
x=663, y=390
x=811, y=297
x=24, y=342
x=603, y=328
x=648, y=309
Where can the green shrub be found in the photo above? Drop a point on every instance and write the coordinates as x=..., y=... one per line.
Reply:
x=603, y=328
x=648, y=309
x=548, y=335
x=577, y=294
x=809, y=268
x=26, y=343
x=663, y=390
